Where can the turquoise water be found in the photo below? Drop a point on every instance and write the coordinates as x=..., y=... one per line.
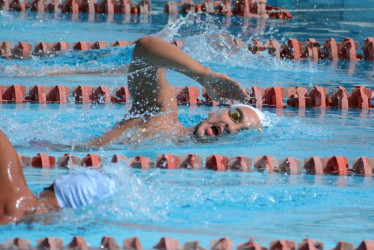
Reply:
x=198, y=205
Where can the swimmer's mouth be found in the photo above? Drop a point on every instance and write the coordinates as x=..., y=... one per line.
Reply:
x=214, y=130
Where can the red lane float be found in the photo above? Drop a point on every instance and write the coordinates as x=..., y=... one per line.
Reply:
x=37, y=5
x=363, y=166
x=124, y=7
x=58, y=94
x=274, y=96
x=120, y=44
x=273, y=47
x=222, y=244
x=337, y=165
x=360, y=98
x=297, y=97
x=71, y=6
x=330, y=50
x=348, y=49
x=17, y=243
x=141, y=162
x=265, y=162
x=289, y=165
x=314, y=165
x=82, y=94
x=25, y=160
x=250, y=245
x=118, y=158
x=256, y=48
x=217, y=162
x=319, y=97
x=43, y=48
x=122, y=95
x=167, y=243
x=61, y=46
x=311, y=49
x=132, y=243
x=340, y=98
x=82, y=45
x=14, y=93
x=310, y=244
x=240, y=163
x=100, y=45
x=106, y=7
x=342, y=245
x=50, y=243
x=171, y=8
x=38, y=94
x=168, y=161
x=16, y=5
x=282, y=245
x=88, y=6
x=257, y=95
x=366, y=245
x=108, y=242
x=368, y=49
x=224, y=7
x=188, y=95
x=193, y=245
x=69, y=160
x=78, y=242
x=207, y=6
x=91, y=160
x=101, y=95
x=53, y=6
x=191, y=161
x=6, y=49
x=292, y=50
x=43, y=160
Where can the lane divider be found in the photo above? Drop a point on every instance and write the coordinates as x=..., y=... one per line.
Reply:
x=167, y=243
x=74, y=6
x=240, y=8
x=294, y=49
x=24, y=50
x=298, y=97
x=313, y=50
x=247, y=8
x=315, y=165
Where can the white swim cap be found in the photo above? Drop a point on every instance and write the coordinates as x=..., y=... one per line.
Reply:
x=257, y=111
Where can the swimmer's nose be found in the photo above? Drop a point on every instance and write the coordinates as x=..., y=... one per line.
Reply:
x=232, y=129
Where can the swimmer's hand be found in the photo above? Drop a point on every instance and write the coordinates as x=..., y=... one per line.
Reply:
x=221, y=87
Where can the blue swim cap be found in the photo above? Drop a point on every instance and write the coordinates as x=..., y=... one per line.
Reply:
x=82, y=188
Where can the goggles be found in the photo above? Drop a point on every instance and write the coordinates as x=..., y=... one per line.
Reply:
x=234, y=115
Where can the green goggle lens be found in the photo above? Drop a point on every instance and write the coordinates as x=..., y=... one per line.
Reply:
x=234, y=115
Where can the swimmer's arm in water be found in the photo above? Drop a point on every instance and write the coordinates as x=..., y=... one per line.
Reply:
x=114, y=133
x=151, y=94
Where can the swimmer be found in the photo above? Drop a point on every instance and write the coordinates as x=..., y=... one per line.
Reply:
x=154, y=106
x=70, y=191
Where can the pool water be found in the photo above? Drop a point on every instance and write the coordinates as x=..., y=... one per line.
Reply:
x=198, y=205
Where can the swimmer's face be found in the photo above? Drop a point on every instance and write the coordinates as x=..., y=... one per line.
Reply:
x=228, y=120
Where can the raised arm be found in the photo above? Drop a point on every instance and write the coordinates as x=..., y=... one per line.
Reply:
x=151, y=51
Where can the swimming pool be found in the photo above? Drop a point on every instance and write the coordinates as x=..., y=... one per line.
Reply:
x=199, y=205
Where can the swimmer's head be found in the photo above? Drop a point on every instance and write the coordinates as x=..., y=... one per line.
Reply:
x=229, y=120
